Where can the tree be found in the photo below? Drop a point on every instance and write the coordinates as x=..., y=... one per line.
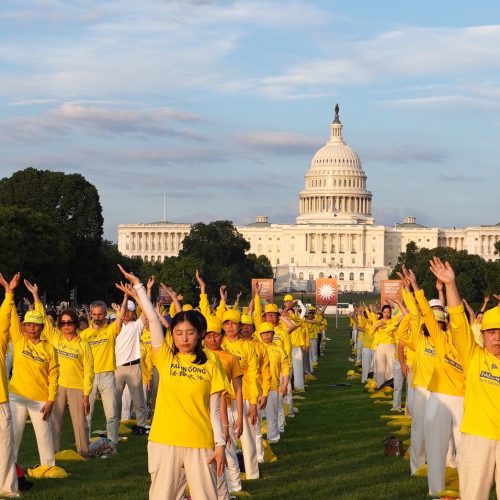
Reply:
x=219, y=251
x=72, y=204
x=34, y=244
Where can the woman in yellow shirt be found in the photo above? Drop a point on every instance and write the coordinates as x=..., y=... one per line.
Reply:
x=33, y=385
x=479, y=450
x=186, y=430
x=76, y=374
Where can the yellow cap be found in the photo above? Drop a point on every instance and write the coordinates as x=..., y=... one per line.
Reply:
x=265, y=327
x=439, y=315
x=272, y=308
x=287, y=297
x=231, y=315
x=33, y=317
x=491, y=319
x=246, y=319
x=214, y=325
x=187, y=307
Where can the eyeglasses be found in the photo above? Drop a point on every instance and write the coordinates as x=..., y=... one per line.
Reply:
x=63, y=323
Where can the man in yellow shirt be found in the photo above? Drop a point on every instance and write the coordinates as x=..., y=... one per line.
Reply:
x=101, y=339
x=479, y=451
x=8, y=476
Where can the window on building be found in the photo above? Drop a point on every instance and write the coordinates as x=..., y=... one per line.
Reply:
x=321, y=275
x=341, y=277
x=311, y=276
x=277, y=262
x=324, y=260
x=361, y=276
x=301, y=276
x=351, y=276
x=292, y=260
x=353, y=260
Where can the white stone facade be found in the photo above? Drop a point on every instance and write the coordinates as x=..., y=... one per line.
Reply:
x=335, y=235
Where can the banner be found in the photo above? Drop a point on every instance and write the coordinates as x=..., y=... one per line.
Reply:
x=163, y=297
x=267, y=290
x=326, y=292
x=390, y=290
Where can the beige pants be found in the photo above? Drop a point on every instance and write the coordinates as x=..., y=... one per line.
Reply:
x=478, y=465
x=165, y=467
x=8, y=476
x=73, y=398
x=383, y=363
x=132, y=377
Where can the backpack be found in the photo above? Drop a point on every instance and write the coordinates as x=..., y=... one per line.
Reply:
x=393, y=447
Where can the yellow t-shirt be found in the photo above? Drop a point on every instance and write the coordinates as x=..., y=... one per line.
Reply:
x=282, y=338
x=247, y=357
x=264, y=378
x=482, y=383
x=102, y=344
x=278, y=364
x=231, y=365
x=297, y=337
x=146, y=357
x=448, y=376
x=4, y=346
x=35, y=366
x=182, y=412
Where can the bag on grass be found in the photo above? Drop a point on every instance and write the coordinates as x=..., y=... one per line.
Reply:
x=393, y=447
x=102, y=447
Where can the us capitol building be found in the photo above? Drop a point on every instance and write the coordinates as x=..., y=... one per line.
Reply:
x=334, y=235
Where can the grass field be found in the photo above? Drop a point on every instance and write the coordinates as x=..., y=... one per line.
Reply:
x=333, y=449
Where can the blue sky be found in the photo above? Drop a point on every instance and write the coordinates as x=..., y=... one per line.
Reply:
x=222, y=104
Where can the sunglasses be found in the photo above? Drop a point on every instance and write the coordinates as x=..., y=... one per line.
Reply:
x=63, y=323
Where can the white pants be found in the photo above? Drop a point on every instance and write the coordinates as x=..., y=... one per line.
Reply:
x=359, y=351
x=383, y=363
x=232, y=472
x=313, y=353
x=247, y=442
x=298, y=368
x=399, y=381
x=105, y=383
x=20, y=408
x=410, y=393
x=354, y=336
x=478, y=465
x=273, y=433
x=165, y=467
x=417, y=448
x=8, y=476
x=443, y=416
x=366, y=363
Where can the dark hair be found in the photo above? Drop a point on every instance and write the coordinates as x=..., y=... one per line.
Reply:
x=386, y=306
x=83, y=318
x=68, y=312
x=52, y=314
x=199, y=323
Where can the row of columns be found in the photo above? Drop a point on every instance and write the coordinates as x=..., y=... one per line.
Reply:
x=334, y=243
x=342, y=204
x=149, y=241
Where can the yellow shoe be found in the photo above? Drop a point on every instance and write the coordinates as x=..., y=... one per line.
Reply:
x=421, y=471
x=404, y=431
x=379, y=395
x=399, y=422
x=387, y=389
x=380, y=402
x=448, y=494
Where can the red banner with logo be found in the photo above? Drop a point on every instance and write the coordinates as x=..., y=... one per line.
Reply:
x=267, y=289
x=326, y=292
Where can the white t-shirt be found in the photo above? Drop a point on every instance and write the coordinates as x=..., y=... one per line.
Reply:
x=128, y=342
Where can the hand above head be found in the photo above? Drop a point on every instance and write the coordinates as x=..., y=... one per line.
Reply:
x=150, y=283
x=439, y=285
x=223, y=293
x=12, y=285
x=442, y=271
x=127, y=289
x=130, y=276
x=200, y=281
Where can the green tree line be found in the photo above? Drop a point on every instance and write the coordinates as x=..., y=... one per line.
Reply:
x=476, y=277
x=52, y=232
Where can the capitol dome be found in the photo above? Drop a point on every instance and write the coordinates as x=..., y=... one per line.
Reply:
x=335, y=185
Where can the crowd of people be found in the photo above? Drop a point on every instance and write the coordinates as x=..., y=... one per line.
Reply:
x=450, y=359
x=198, y=380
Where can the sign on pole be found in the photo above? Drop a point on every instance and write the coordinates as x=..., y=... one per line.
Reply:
x=390, y=290
x=163, y=297
x=326, y=292
x=267, y=290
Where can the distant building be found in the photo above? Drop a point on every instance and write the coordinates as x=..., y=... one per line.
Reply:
x=334, y=235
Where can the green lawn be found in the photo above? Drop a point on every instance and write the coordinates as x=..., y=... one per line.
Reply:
x=332, y=449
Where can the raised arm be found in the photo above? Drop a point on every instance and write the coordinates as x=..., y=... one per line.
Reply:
x=203, y=304
x=8, y=314
x=146, y=306
x=49, y=331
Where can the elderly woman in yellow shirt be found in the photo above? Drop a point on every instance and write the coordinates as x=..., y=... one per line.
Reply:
x=479, y=450
x=76, y=374
x=33, y=385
